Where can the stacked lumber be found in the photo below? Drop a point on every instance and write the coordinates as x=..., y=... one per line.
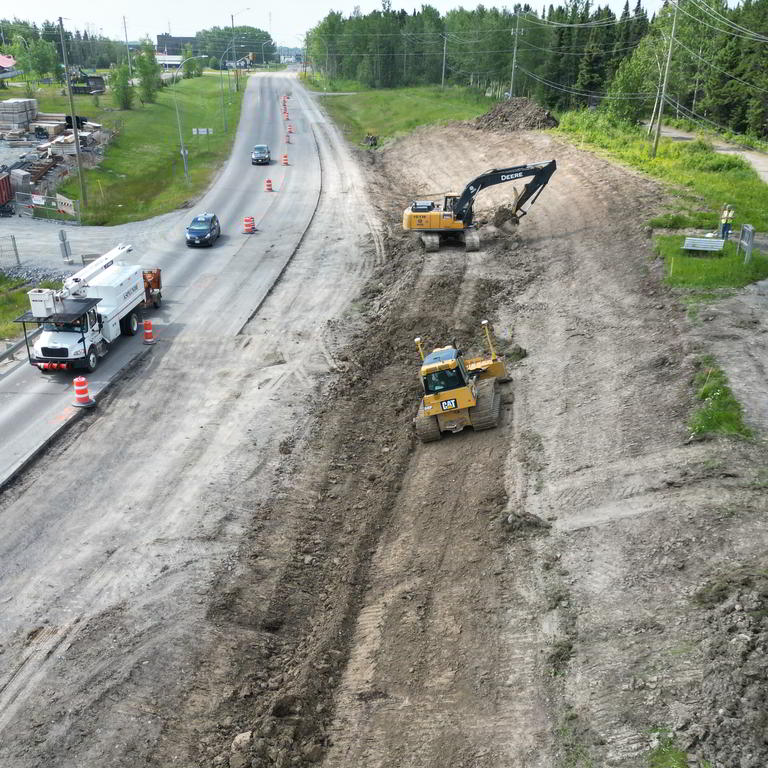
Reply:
x=17, y=114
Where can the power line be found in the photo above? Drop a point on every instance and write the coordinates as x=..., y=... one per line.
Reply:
x=722, y=71
x=586, y=94
x=715, y=14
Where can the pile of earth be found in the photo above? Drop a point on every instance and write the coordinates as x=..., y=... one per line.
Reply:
x=517, y=114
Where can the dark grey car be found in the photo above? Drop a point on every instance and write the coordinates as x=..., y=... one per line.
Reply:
x=260, y=155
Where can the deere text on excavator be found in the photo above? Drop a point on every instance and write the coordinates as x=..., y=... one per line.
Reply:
x=454, y=219
x=459, y=392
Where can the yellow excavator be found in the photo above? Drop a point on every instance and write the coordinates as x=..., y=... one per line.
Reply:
x=453, y=219
x=459, y=392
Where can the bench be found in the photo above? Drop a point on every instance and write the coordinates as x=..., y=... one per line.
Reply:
x=710, y=244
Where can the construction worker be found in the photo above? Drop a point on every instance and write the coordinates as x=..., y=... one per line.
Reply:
x=726, y=221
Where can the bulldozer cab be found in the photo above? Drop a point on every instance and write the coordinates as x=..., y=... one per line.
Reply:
x=443, y=370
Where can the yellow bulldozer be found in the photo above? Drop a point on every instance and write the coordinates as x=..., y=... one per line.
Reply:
x=459, y=392
x=453, y=219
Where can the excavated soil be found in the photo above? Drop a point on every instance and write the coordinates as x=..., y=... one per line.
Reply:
x=575, y=587
x=516, y=114
x=572, y=588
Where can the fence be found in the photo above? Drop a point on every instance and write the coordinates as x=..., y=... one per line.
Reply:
x=56, y=208
x=9, y=253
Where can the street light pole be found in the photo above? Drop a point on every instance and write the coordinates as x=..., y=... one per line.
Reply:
x=234, y=50
x=221, y=87
x=178, y=119
x=83, y=198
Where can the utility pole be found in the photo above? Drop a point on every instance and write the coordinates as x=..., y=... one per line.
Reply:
x=445, y=45
x=234, y=52
x=664, y=86
x=130, y=68
x=81, y=178
x=516, y=33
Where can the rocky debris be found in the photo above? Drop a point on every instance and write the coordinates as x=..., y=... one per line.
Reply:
x=504, y=218
x=241, y=741
x=34, y=274
x=518, y=114
x=729, y=728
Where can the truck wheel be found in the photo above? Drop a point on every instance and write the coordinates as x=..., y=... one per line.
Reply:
x=158, y=300
x=131, y=324
x=91, y=360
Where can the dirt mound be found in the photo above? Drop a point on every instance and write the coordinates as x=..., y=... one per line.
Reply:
x=518, y=114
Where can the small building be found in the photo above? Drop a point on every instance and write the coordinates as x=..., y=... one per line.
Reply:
x=8, y=67
x=174, y=45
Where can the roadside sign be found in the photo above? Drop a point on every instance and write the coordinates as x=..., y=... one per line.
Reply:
x=201, y=131
x=746, y=241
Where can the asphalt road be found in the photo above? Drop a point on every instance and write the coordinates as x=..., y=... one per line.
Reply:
x=34, y=406
x=115, y=537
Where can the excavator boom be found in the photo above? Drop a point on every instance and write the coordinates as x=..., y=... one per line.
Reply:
x=541, y=172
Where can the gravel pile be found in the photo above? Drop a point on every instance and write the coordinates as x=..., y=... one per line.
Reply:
x=518, y=114
x=34, y=274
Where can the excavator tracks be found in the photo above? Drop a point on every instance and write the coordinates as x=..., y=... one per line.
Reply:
x=487, y=412
x=431, y=241
x=471, y=240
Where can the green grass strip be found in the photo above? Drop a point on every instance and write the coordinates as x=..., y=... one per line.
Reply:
x=387, y=113
x=708, y=271
x=720, y=412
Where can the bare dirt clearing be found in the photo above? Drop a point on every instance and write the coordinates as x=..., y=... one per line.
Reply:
x=546, y=593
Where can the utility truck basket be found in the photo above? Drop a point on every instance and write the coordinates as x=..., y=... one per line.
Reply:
x=41, y=302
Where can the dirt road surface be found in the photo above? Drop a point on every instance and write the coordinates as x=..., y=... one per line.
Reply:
x=273, y=572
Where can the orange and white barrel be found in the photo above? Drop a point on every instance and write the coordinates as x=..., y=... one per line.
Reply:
x=268, y=185
x=149, y=336
x=82, y=397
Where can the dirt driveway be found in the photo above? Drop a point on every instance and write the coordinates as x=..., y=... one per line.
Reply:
x=573, y=588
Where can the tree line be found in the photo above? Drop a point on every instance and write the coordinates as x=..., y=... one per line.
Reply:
x=573, y=55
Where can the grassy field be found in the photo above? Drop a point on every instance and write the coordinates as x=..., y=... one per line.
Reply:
x=709, y=272
x=705, y=178
x=388, y=113
x=141, y=174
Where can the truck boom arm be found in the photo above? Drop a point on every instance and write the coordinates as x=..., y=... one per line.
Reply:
x=541, y=172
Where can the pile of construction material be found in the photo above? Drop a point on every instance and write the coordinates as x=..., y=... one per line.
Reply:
x=16, y=115
x=517, y=114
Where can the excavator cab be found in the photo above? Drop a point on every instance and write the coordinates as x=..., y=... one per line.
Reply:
x=459, y=392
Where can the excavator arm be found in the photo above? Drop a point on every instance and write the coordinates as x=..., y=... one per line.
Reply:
x=541, y=172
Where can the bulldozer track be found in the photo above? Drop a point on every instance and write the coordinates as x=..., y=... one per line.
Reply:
x=427, y=429
x=486, y=413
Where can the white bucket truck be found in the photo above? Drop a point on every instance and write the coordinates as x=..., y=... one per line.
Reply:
x=93, y=308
